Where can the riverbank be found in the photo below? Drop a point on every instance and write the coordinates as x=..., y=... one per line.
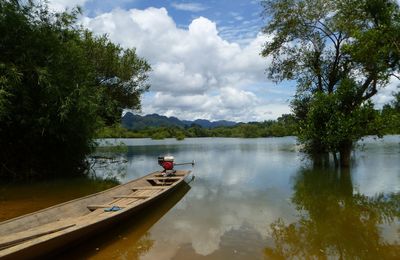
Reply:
x=271, y=128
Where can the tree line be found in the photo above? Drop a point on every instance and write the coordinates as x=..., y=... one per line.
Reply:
x=387, y=121
x=59, y=84
x=283, y=126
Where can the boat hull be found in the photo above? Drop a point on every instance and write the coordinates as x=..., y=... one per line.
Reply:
x=48, y=244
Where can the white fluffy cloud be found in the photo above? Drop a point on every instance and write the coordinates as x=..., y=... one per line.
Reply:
x=196, y=73
x=236, y=103
x=386, y=94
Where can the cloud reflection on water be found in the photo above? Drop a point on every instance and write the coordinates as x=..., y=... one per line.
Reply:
x=241, y=187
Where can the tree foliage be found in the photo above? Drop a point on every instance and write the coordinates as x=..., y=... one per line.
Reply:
x=339, y=53
x=119, y=75
x=329, y=124
x=58, y=84
x=391, y=116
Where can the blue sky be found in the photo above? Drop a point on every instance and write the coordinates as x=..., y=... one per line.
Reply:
x=204, y=56
x=236, y=19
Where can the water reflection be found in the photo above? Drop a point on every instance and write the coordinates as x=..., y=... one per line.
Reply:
x=337, y=222
x=239, y=185
x=17, y=199
x=215, y=221
x=243, y=186
x=108, y=164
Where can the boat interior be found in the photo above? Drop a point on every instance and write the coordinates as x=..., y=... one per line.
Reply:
x=86, y=210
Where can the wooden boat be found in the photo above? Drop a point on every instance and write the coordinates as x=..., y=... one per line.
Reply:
x=44, y=231
x=129, y=238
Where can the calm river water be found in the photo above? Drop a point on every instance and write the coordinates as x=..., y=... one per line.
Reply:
x=251, y=199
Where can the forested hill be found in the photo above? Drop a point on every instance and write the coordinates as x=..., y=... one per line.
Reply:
x=137, y=122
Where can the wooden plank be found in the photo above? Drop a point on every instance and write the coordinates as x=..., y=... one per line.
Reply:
x=130, y=197
x=159, y=183
x=148, y=188
x=20, y=237
x=164, y=178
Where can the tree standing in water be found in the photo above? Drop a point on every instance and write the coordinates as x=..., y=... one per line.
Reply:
x=340, y=53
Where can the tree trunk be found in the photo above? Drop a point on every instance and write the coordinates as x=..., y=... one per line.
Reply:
x=345, y=183
x=320, y=159
x=345, y=154
x=335, y=159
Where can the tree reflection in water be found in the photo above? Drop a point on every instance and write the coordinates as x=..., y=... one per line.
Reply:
x=336, y=222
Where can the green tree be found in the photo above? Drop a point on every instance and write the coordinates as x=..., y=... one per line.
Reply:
x=119, y=75
x=51, y=94
x=337, y=51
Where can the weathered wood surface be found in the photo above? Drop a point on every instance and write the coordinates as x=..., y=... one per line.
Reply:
x=62, y=223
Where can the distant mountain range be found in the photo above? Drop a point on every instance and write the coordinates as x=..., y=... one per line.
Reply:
x=132, y=121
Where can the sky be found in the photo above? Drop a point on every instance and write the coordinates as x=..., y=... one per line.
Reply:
x=205, y=56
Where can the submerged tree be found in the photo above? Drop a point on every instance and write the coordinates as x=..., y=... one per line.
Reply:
x=56, y=82
x=340, y=53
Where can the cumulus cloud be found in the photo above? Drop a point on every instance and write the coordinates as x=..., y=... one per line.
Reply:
x=202, y=71
x=165, y=77
x=196, y=73
x=385, y=95
x=236, y=103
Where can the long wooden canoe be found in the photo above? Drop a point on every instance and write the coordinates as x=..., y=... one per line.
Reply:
x=47, y=230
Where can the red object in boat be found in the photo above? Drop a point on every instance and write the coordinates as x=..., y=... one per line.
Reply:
x=167, y=162
x=168, y=165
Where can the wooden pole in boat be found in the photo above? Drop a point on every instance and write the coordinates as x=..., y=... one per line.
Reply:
x=187, y=163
